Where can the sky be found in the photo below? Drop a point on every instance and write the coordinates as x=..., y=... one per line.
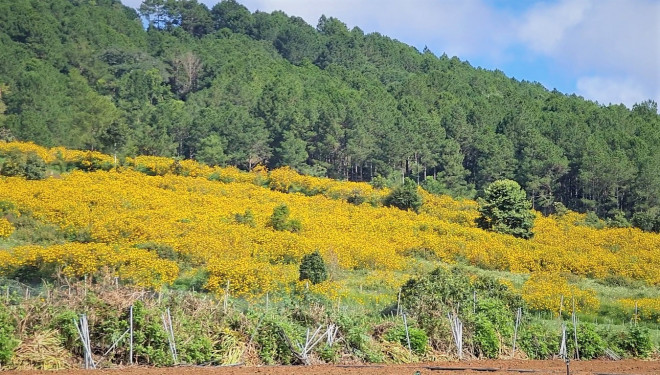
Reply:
x=603, y=50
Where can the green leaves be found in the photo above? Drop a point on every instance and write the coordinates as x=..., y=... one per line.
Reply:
x=505, y=209
x=327, y=100
x=405, y=197
x=312, y=268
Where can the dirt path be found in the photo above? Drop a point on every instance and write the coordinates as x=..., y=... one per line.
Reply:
x=510, y=367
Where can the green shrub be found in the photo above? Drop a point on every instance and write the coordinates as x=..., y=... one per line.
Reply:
x=505, y=209
x=648, y=221
x=64, y=323
x=418, y=338
x=216, y=176
x=637, y=341
x=28, y=165
x=497, y=313
x=150, y=340
x=592, y=220
x=405, y=197
x=353, y=329
x=379, y=182
x=489, y=287
x=434, y=186
x=194, y=279
x=247, y=218
x=538, y=341
x=429, y=298
x=279, y=220
x=590, y=344
x=486, y=340
x=312, y=268
x=197, y=350
x=618, y=220
x=356, y=198
x=328, y=353
x=8, y=341
x=272, y=345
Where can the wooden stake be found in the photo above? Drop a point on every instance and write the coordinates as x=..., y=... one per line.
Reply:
x=130, y=317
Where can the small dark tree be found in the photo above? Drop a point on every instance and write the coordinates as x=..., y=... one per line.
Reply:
x=279, y=220
x=505, y=209
x=28, y=165
x=405, y=197
x=312, y=268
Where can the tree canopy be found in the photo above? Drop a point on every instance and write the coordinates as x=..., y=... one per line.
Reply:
x=505, y=209
x=227, y=86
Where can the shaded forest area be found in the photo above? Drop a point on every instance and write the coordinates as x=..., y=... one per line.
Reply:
x=229, y=87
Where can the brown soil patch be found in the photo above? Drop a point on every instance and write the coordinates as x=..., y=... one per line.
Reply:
x=497, y=367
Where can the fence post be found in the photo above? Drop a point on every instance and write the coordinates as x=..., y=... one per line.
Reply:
x=405, y=323
x=515, y=331
x=130, y=317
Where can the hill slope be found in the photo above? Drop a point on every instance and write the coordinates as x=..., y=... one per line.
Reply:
x=152, y=233
x=226, y=86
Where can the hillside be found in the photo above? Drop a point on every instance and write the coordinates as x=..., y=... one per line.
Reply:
x=88, y=232
x=218, y=220
x=228, y=87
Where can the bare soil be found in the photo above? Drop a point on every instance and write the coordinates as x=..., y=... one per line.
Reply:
x=498, y=367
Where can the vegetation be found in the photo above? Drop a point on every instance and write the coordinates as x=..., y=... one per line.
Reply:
x=230, y=87
x=405, y=197
x=312, y=268
x=505, y=209
x=114, y=209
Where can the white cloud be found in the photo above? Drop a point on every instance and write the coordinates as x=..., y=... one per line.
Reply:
x=464, y=28
x=600, y=41
x=546, y=25
x=614, y=90
x=592, y=43
x=132, y=3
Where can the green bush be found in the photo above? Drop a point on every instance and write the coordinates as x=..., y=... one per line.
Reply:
x=505, y=209
x=150, y=340
x=379, y=182
x=353, y=329
x=330, y=354
x=405, y=197
x=497, y=313
x=247, y=218
x=618, y=220
x=418, y=338
x=272, y=345
x=485, y=338
x=279, y=220
x=429, y=298
x=64, y=323
x=590, y=344
x=648, y=221
x=592, y=220
x=637, y=341
x=312, y=268
x=8, y=341
x=356, y=198
x=197, y=350
x=434, y=186
x=538, y=341
x=28, y=165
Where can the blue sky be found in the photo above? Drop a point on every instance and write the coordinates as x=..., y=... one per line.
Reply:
x=604, y=50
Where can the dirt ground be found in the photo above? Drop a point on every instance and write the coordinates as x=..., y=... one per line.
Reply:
x=511, y=367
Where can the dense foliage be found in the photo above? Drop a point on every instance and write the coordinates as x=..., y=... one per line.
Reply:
x=312, y=268
x=230, y=87
x=98, y=234
x=505, y=209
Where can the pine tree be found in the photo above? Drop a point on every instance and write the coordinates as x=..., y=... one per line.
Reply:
x=505, y=209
